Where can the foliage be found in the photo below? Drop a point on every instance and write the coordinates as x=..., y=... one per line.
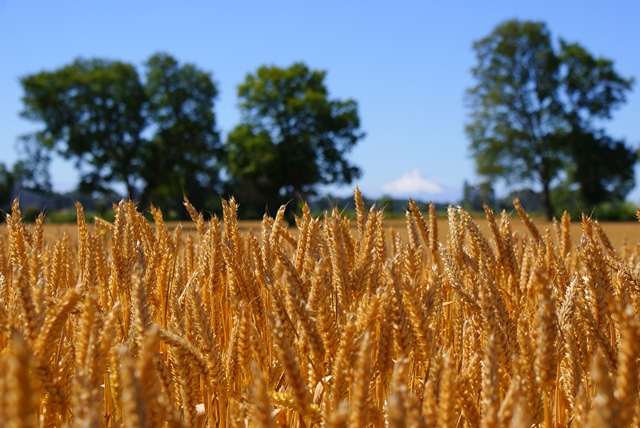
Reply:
x=620, y=211
x=156, y=138
x=602, y=167
x=535, y=110
x=185, y=151
x=292, y=136
x=607, y=211
x=31, y=171
x=92, y=112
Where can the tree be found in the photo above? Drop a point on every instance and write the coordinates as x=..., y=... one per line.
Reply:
x=474, y=197
x=534, y=111
x=31, y=171
x=154, y=138
x=185, y=152
x=93, y=113
x=602, y=168
x=292, y=136
x=6, y=188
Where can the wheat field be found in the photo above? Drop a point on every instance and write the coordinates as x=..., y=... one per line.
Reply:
x=338, y=323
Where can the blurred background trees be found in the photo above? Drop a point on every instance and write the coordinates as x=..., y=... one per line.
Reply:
x=185, y=153
x=537, y=109
x=93, y=112
x=292, y=137
x=153, y=137
x=535, y=115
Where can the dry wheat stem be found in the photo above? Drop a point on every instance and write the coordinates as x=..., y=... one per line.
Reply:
x=338, y=322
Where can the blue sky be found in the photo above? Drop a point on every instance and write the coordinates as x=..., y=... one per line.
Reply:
x=407, y=64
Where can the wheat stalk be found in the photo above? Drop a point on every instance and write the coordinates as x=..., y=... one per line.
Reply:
x=322, y=325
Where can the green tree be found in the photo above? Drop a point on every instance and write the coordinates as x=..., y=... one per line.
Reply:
x=31, y=171
x=93, y=113
x=602, y=168
x=292, y=136
x=534, y=111
x=155, y=138
x=185, y=151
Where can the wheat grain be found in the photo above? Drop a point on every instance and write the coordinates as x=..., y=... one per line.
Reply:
x=326, y=325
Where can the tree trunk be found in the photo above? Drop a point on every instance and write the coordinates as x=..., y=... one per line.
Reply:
x=546, y=191
x=292, y=205
x=546, y=200
x=130, y=190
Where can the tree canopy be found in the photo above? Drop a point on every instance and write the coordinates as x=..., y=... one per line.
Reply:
x=535, y=115
x=155, y=137
x=292, y=136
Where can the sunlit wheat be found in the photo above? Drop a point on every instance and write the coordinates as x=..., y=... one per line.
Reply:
x=334, y=323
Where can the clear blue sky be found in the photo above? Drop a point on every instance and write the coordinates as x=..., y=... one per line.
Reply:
x=405, y=63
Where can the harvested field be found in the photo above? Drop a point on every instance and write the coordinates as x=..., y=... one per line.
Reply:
x=462, y=323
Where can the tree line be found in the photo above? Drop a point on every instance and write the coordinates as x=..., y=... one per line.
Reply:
x=537, y=110
x=536, y=114
x=154, y=134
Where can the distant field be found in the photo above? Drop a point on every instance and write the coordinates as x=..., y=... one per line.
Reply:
x=616, y=231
